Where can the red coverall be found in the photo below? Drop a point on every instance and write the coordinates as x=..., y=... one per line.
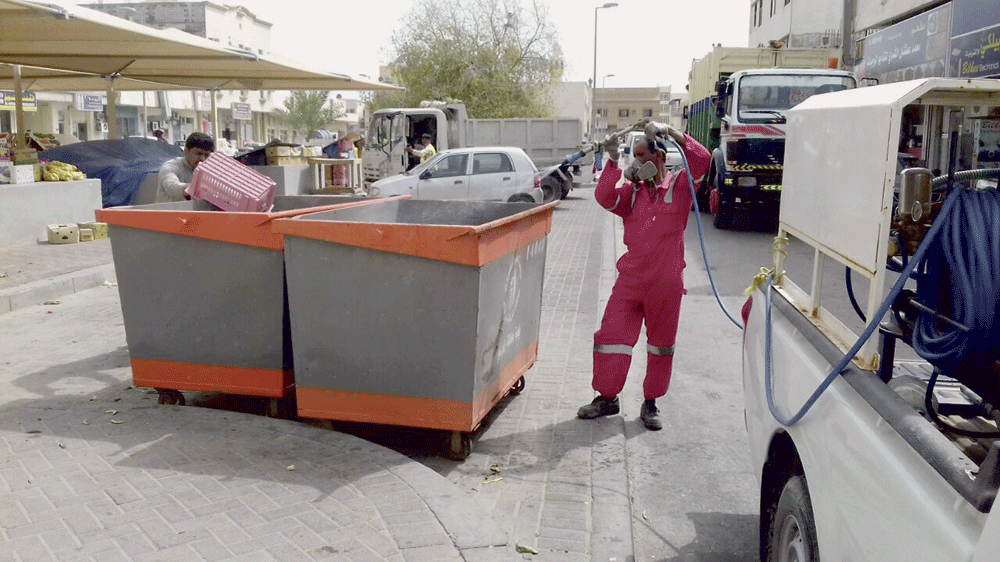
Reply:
x=650, y=283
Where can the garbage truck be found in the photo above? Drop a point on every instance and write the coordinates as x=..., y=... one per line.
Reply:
x=546, y=141
x=872, y=414
x=737, y=110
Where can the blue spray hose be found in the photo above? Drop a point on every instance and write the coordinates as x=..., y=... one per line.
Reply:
x=904, y=276
x=701, y=234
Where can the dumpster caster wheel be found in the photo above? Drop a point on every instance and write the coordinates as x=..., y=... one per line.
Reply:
x=460, y=446
x=518, y=387
x=170, y=397
x=282, y=408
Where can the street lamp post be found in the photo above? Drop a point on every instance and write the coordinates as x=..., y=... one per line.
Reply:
x=593, y=85
x=604, y=99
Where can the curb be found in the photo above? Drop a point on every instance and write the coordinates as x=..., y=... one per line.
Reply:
x=611, y=510
x=42, y=290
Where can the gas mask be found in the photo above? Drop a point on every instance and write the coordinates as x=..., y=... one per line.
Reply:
x=636, y=172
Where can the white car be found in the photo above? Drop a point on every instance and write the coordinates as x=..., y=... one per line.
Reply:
x=486, y=173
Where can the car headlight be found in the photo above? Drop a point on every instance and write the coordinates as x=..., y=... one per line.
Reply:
x=374, y=191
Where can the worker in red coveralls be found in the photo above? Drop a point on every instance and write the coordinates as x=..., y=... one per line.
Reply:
x=654, y=205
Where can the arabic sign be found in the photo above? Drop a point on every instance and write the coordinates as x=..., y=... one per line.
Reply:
x=977, y=54
x=241, y=111
x=975, y=45
x=914, y=48
x=7, y=101
x=88, y=102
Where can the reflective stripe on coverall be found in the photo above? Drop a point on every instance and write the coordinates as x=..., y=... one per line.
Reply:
x=650, y=282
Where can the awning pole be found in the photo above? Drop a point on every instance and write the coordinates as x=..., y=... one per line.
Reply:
x=145, y=120
x=19, y=141
x=215, y=118
x=112, y=110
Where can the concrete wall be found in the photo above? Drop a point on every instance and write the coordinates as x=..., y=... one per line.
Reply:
x=29, y=207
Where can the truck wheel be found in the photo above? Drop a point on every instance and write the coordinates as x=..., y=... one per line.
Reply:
x=520, y=198
x=565, y=192
x=702, y=194
x=792, y=536
x=723, y=219
x=722, y=209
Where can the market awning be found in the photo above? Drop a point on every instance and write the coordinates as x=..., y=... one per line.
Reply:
x=97, y=51
x=77, y=39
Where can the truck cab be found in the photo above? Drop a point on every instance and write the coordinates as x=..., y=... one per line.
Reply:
x=747, y=165
x=896, y=455
x=391, y=130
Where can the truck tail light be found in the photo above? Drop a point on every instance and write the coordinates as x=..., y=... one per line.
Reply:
x=538, y=179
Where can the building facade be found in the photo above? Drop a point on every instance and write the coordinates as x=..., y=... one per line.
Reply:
x=890, y=40
x=617, y=108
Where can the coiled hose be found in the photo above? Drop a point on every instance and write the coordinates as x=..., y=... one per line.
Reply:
x=961, y=279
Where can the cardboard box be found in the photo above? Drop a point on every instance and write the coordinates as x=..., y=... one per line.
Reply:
x=286, y=161
x=22, y=173
x=63, y=233
x=284, y=155
x=25, y=156
x=99, y=229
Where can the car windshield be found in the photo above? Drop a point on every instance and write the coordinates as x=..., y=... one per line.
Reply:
x=765, y=97
x=419, y=168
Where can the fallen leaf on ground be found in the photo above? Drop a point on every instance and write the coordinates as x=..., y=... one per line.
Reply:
x=525, y=549
x=51, y=302
x=493, y=481
x=495, y=468
x=116, y=421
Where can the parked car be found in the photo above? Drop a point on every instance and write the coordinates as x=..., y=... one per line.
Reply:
x=490, y=173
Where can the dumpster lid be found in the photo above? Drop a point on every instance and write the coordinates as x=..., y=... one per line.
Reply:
x=438, y=230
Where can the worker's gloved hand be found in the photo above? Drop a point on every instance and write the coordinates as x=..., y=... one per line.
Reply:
x=653, y=129
x=611, y=147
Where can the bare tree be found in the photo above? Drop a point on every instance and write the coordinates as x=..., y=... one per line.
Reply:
x=496, y=56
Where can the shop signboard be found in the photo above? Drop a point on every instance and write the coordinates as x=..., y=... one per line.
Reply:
x=88, y=102
x=975, y=45
x=202, y=101
x=7, y=101
x=987, y=138
x=913, y=48
x=241, y=111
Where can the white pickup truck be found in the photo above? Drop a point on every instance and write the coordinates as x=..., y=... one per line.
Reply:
x=866, y=474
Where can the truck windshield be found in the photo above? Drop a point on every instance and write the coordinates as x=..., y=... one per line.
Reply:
x=765, y=97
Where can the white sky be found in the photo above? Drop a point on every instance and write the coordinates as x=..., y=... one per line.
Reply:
x=644, y=43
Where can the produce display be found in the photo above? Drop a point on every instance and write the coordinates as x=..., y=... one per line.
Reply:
x=61, y=171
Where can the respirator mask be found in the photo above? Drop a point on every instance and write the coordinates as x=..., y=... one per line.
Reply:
x=636, y=172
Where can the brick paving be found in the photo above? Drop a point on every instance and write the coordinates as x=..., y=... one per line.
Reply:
x=190, y=483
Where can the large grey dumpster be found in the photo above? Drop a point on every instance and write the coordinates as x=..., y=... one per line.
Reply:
x=414, y=313
x=203, y=295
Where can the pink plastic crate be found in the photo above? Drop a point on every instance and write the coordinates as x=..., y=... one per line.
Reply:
x=231, y=186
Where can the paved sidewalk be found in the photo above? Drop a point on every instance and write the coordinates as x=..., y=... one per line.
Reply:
x=33, y=273
x=190, y=483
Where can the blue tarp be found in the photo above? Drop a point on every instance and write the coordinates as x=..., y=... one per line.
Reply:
x=121, y=165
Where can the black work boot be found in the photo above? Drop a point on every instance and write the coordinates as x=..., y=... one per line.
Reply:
x=650, y=415
x=601, y=406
